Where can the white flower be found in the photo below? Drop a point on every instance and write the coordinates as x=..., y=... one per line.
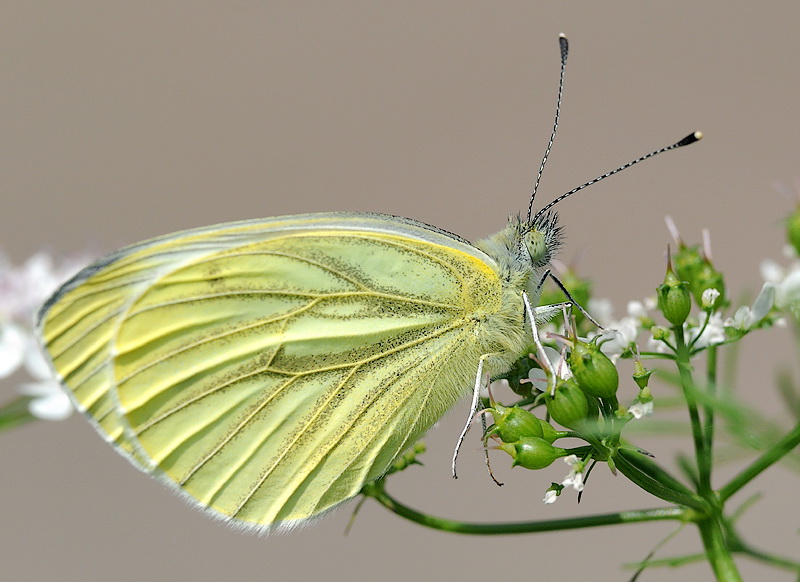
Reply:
x=22, y=291
x=558, y=364
x=640, y=308
x=601, y=310
x=788, y=291
x=619, y=336
x=550, y=496
x=574, y=478
x=641, y=409
x=48, y=400
x=746, y=317
x=713, y=332
x=787, y=283
x=709, y=297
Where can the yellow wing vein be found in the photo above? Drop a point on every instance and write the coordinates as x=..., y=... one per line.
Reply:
x=384, y=433
x=298, y=434
x=212, y=338
x=293, y=377
x=301, y=431
x=166, y=414
x=233, y=434
x=88, y=291
x=86, y=333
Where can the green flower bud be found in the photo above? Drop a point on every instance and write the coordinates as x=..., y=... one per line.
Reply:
x=595, y=373
x=549, y=433
x=674, y=300
x=514, y=423
x=793, y=230
x=707, y=277
x=519, y=371
x=641, y=375
x=687, y=262
x=659, y=333
x=691, y=266
x=568, y=404
x=533, y=452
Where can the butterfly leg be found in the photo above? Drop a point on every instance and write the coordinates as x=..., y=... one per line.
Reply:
x=481, y=380
x=486, y=453
x=561, y=286
x=545, y=362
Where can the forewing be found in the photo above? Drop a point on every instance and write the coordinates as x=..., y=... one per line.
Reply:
x=270, y=368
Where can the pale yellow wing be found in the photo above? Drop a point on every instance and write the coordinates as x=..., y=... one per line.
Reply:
x=270, y=368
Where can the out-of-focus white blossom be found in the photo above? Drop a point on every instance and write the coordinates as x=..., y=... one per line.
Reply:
x=786, y=283
x=746, y=317
x=619, y=335
x=713, y=331
x=641, y=409
x=22, y=291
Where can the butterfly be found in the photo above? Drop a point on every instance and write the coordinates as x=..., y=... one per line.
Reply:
x=268, y=369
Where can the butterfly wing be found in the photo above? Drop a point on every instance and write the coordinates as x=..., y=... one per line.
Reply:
x=268, y=369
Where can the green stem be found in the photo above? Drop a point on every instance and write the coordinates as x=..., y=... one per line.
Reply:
x=771, y=456
x=717, y=551
x=688, y=386
x=377, y=492
x=708, y=409
x=15, y=413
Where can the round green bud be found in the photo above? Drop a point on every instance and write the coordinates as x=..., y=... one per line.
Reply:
x=568, y=404
x=514, y=423
x=659, y=333
x=595, y=373
x=549, y=433
x=533, y=452
x=687, y=262
x=674, y=300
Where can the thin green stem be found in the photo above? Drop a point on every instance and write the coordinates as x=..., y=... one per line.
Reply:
x=15, y=413
x=717, y=551
x=771, y=456
x=689, y=388
x=708, y=409
x=377, y=492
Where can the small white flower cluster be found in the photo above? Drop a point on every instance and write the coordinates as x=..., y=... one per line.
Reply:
x=621, y=334
x=22, y=291
x=707, y=329
x=573, y=479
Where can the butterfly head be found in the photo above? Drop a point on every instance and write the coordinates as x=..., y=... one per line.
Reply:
x=522, y=247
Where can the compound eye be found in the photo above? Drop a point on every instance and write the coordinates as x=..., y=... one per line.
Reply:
x=536, y=245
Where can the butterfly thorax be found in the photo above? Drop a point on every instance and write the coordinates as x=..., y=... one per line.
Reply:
x=522, y=251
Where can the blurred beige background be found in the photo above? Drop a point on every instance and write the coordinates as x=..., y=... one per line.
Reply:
x=125, y=120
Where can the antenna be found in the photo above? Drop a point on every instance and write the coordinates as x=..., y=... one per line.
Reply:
x=564, y=44
x=689, y=139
